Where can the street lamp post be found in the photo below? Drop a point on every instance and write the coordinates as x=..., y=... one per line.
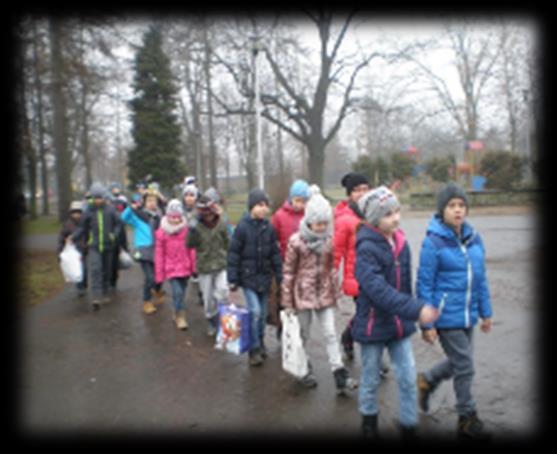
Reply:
x=256, y=48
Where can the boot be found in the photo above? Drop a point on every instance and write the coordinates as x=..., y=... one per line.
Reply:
x=343, y=380
x=158, y=296
x=369, y=426
x=424, y=392
x=255, y=358
x=180, y=319
x=471, y=428
x=149, y=308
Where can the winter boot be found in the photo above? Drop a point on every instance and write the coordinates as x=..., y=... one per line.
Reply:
x=369, y=426
x=347, y=343
x=255, y=358
x=180, y=319
x=471, y=428
x=343, y=380
x=149, y=308
x=424, y=392
x=158, y=296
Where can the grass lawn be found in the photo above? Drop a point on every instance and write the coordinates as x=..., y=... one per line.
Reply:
x=41, y=225
x=40, y=277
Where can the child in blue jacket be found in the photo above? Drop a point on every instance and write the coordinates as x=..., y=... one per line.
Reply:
x=386, y=311
x=452, y=277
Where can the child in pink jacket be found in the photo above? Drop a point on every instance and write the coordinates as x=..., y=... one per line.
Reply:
x=173, y=260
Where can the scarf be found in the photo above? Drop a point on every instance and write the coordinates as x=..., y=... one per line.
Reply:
x=316, y=242
x=171, y=229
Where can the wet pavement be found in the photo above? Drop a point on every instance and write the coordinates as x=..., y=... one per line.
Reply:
x=120, y=371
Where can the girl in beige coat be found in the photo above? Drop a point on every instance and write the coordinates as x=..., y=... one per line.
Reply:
x=309, y=286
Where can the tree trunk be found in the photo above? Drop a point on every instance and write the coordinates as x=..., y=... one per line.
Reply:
x=59, y=125
x=316, y=161
x=212, y=150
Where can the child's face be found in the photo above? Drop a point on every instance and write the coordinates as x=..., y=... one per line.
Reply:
x=75, y=215
x=455, y=212
x=189, y=200
x=298, y=203
x=151, y=203
x=389, y=223
x=98, y=201
x=174, y=219
x=358, y=192
x=260, y=210
x=319, y=227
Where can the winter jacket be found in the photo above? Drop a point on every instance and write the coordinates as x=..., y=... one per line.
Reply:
x=344, y=241
x=309, y=279
x=99, y=226
x=253, y=255
x=144, y=225
x=452, y=276
x=172, y=257
x=69, y=228
x=385, y=308
x=286, y=222
x=211, y=245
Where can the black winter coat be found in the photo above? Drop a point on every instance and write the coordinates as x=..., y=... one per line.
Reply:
x=253, y=255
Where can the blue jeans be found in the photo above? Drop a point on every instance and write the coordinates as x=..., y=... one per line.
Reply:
x=178, y=285
x=402, y=358
x=257, y=306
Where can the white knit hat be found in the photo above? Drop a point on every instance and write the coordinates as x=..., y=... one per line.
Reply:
x=174, y=208
x=318, y=208
x=190, y=189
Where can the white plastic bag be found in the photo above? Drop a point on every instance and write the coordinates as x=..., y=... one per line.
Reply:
x=70, y=263
x=294, y=359
x=125, y=260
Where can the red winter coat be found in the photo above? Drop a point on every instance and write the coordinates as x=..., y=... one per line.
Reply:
x=286, y=222
x=172, y=257
x=344, y=245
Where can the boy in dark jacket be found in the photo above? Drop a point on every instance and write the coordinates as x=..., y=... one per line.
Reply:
x=386, y=311
x=253, y=256
x=99, y=225
x=69, y=227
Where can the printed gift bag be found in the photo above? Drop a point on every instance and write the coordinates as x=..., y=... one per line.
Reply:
x=234, y=329
x=294, y=359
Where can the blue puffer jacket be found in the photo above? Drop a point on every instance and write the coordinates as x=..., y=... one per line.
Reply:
x=253, y=254
x=452, y=277
x=144, y=225
x=385, y=308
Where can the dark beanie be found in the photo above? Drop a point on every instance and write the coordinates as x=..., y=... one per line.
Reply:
x=451, y=191
x=353, y=179
x=255, y=196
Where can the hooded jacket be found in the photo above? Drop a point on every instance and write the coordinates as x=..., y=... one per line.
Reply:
x=172, y=257
x=452, y=276
x=385, y=309
x=99, y=226
x=286, y=222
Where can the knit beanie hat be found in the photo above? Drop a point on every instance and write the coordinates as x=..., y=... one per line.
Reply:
x=451, y=191
x=190, y=189
x=377, y=203
x=97, y=190
x=255, y=196
x=76, y=205
x=299, y=189
x=318, y=208
x=174, y=208
x=212, y=194
x=353, y=179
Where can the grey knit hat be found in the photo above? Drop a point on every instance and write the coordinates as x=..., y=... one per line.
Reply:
x=190, y=189
x=451, y=191
x=174, y=208
x=255, y=196
x=97, y=190
x=318, y=208
x=377, y=203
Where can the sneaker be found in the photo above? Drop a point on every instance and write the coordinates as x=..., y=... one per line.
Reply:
x=255, y=358
x=424, y=392
x=471, y=427
x=149, y=308
x=308, y=381
x=343, y=380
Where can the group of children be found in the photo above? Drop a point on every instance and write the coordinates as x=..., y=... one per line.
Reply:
x=302, y=248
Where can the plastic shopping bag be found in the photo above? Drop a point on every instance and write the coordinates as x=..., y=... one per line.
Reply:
x=234, y=329
x=294, y=359
x=70, y=263
x=125, y=260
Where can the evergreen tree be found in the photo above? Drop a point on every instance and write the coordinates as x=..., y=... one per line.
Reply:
x=155, y=128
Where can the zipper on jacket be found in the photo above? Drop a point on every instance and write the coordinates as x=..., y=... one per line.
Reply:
x=468, y=287
x=442, y=304
x=370, y=320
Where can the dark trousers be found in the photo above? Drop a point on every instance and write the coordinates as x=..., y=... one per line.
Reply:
x=149, y=279
x=100, y=264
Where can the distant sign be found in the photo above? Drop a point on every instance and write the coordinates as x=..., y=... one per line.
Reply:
x=476, y=145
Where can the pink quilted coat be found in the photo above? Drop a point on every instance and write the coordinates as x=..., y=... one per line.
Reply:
x=309, y=280
x=172, y=257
